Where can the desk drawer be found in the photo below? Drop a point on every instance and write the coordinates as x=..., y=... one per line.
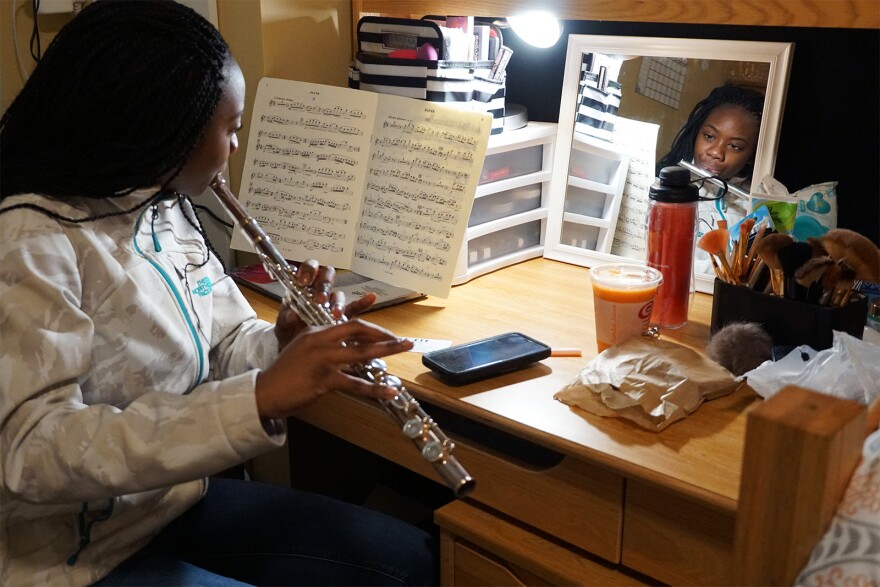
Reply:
x=568, y=499
x=480, y=547
x=674, y=539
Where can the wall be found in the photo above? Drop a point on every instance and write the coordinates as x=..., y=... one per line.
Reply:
x=289, y=39
x=307, y=40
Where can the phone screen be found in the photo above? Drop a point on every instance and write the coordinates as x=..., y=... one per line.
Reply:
x=487, y=357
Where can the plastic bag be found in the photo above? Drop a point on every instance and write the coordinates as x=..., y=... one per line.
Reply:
x=850, y=369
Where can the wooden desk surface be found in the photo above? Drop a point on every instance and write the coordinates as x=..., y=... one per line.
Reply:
x=699, y=457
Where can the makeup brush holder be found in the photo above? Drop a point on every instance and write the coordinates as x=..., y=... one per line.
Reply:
x=788, y=322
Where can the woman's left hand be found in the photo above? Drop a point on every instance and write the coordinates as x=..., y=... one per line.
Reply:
x=318, y=279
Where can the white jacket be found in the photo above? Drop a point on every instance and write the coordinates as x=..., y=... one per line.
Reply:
x=126, y=377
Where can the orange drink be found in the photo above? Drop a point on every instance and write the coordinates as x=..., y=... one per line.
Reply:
x=623, y=297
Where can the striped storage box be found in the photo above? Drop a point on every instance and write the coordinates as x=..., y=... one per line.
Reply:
x=457, y=84
x=598, y=105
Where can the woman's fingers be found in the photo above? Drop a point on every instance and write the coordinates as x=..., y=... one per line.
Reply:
x=319, y=360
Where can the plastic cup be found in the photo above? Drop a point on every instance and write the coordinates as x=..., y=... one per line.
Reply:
x=623, y=297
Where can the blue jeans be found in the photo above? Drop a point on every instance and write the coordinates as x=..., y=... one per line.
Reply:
x=244, y=532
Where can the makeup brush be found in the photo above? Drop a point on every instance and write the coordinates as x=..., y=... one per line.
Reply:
x=856, y=250
x=745, y=229
x=714, y=242
x=818, y=249
x=740, y=347
x=829, y=281
x=749, y=269
x=768, y=250
x=756, y=273
x=811, y=271
x=792, y=257
x=843, y=287
x=809, y=275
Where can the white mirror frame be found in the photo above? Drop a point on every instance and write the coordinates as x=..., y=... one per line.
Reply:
x=778, y=55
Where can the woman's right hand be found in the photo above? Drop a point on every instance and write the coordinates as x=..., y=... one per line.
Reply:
x=316, y=361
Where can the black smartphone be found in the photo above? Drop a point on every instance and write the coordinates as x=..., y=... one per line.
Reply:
x=481, y=359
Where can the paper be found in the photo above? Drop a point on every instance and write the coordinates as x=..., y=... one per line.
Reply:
x=375, y=183
x=639, y=140
x=426, y=345
x=650, y=382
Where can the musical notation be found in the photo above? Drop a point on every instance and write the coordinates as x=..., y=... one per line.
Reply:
x=638, y=139
x=335, y=111
x=311, y=142
x=312, y=123
x=305, y=169
x=407, y=265
x=402, y=236
x=281, y=217
x=363, y=182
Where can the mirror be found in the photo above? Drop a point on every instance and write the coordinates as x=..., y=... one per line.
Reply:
x=609, y=141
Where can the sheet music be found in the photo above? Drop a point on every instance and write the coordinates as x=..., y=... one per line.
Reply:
x=379, y=184
x=425, y=166
x=639, y=139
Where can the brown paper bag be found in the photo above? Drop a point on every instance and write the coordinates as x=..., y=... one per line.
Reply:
x=649, y=381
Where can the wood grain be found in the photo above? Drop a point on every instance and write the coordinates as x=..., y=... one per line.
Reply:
x=519, y=549
x=801, y=449
x=863, y=14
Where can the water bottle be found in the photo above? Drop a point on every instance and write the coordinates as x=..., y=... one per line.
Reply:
x=672, y=228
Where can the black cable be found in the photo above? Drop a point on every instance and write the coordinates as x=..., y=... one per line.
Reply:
x=211, y=213
x=35, y=34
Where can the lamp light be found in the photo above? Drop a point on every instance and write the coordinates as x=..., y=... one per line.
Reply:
x=539, y=29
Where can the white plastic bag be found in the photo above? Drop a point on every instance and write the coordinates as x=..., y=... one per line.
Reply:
x=850, y=369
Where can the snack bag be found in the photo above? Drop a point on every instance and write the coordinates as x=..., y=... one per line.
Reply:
x=816, y=210
x=773, y=197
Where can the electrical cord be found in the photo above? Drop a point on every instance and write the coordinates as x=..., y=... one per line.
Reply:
x=35, y=33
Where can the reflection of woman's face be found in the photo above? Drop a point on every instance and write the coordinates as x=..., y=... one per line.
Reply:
x=727, y=141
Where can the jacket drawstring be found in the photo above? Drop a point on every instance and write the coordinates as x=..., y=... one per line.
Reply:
x=85, y=528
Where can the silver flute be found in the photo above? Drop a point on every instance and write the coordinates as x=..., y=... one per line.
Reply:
x=435, y=446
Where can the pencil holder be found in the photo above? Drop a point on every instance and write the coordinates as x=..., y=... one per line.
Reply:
x=788, y=322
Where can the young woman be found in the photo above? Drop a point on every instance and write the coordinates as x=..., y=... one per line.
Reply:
x=131, y=368
x=721, y=137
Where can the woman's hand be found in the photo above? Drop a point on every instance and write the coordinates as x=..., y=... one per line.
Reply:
x=315, y=362
x=319, y=280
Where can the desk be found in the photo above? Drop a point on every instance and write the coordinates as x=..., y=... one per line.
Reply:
x=612, y=502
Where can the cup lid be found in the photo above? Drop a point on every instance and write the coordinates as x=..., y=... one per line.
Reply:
x=626, y=276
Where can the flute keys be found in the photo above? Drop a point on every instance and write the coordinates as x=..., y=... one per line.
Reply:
x=376, y=367
x=392, y=381
x=399, y=402
x=433, y=451
x=413, y=428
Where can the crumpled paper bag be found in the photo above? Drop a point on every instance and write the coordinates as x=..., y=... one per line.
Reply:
x=649, y=381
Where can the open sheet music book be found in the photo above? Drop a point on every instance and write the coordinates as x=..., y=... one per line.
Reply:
x=375, y=183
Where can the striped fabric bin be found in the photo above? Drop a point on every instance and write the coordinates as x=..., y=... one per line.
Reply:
x=457, y=84
x=597, y=109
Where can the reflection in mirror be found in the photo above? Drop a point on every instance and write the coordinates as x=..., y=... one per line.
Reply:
x=624, y=101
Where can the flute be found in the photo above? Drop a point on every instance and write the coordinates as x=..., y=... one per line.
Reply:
x=434, y=445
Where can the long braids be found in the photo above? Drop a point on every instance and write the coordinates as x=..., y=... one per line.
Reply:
x=683, y=144
x=119, y=100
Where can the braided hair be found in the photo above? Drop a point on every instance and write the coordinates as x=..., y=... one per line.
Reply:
x=683, y=144
x=119, y=100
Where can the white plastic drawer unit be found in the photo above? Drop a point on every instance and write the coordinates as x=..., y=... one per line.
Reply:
x=508, y=220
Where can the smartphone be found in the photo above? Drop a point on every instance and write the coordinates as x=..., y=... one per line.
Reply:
x=481, y=359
